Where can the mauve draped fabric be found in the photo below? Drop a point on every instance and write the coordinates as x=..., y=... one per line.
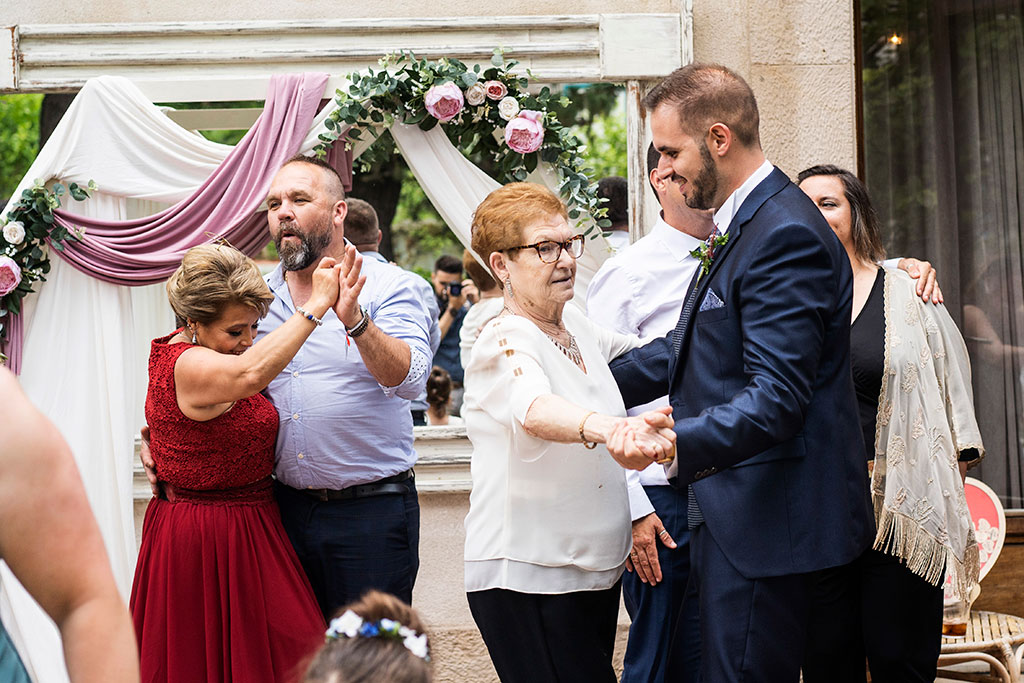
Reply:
x=147, y=250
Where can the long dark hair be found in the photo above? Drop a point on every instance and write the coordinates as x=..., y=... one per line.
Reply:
x=864, y=227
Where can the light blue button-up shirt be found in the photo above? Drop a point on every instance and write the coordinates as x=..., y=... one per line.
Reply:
x=339, y=427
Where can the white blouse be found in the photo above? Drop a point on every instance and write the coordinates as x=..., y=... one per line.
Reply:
x=544, y=517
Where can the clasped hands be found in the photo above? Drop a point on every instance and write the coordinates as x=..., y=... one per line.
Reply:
x=636, y=442
x=337, y=284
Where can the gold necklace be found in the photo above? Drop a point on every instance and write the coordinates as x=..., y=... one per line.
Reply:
x=572, y=351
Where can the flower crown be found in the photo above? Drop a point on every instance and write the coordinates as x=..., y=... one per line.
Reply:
x=351, y=625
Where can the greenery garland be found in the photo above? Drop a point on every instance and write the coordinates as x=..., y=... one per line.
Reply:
x=26, y=228
x=473, y=104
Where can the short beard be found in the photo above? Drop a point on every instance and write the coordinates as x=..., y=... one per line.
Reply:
x=311, y=246
x=705, y=185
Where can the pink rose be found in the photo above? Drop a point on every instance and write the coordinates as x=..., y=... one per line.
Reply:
x=495, y=89
x=525, y=133
x=444, y=101
x=10, y=275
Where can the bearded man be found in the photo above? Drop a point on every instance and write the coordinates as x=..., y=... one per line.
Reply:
x=757, y=371
x=345, y=447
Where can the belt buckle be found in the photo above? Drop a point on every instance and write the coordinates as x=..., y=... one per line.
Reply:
x=322, y=495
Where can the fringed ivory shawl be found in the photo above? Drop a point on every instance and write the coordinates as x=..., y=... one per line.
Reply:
x=925, y=420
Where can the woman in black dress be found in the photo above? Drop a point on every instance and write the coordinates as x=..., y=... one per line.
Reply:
x=912, y=379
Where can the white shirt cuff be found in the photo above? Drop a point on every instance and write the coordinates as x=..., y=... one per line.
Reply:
x=639, y=504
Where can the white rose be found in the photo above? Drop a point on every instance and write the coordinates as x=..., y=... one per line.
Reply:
x=14, y=232
x=508, y=108
x=476, y=94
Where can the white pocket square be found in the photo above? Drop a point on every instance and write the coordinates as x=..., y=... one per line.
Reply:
x=711, y=301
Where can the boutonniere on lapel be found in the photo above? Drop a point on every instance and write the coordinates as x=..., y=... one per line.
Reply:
x=705, y=253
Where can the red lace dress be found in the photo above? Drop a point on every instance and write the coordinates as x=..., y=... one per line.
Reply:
x=219, y=594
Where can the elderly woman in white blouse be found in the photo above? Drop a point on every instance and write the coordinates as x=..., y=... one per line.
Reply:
x=548, y=529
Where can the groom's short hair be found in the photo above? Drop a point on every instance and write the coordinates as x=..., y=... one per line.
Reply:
x=706, y=94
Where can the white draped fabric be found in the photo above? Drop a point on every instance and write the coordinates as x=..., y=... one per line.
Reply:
x=455, y=186
x=87, y=342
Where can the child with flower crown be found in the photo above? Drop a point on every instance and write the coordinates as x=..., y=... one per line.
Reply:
x=379, y=638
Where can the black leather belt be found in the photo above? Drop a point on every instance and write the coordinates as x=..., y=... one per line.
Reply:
x=385, y=486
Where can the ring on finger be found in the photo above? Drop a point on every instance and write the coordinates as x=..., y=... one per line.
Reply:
x=663, y=532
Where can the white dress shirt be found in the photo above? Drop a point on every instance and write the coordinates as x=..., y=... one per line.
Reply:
x=731, y=206
x=640, y=291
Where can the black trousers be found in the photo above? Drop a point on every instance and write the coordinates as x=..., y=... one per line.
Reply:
x=563, y=638
x=873, y=608
x=347, y=547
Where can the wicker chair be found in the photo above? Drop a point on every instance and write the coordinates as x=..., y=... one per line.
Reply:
x=993, y=638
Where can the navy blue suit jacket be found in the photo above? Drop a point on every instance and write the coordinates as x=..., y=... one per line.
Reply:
x=762, y=393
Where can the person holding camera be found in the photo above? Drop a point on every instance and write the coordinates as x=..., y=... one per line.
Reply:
x=454, y=296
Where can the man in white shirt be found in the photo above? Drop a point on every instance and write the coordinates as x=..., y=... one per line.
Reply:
x=636, y=292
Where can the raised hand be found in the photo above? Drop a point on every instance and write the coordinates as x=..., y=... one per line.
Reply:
x=325, y=284
x=350, y=285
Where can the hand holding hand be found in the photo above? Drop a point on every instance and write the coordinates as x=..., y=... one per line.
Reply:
x=643, y=559
x=350, y=285
x=924, y=273
x=653, y=433
x=623, y=446
x=325, y=286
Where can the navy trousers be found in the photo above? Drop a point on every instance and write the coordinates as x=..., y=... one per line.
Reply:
x=665, y=633
x=349, y=546
x=752, y=630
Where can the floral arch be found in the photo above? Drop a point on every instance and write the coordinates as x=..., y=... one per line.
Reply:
x=485, y=108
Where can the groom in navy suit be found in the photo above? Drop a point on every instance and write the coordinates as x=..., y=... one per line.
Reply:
x=758, y=374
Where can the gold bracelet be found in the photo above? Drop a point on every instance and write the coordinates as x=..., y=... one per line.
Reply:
x=586, y=444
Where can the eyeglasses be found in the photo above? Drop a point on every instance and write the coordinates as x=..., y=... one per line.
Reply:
x=549, y=251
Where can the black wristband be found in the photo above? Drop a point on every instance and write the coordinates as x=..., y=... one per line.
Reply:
x=360, y=326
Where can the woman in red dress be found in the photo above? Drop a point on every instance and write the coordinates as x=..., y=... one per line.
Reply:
x=219, y=594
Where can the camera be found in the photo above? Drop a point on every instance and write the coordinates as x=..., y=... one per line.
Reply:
x=455, y=288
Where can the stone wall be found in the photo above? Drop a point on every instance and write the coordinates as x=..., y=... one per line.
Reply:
x=798, y=56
